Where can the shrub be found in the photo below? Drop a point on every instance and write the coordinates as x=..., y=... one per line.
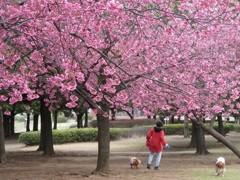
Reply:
x=176, y=129
x=234, y=127
x=29, y=138
x=68, y=135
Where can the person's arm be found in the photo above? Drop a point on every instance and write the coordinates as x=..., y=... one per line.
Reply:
x=149, y=135
x=148, y=138
x=164, y=142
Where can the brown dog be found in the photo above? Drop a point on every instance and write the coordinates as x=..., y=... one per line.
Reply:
x=134, y=162
x=220, y=167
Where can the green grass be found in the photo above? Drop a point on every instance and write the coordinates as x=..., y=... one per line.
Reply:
x=207, y=171
x=232, y=173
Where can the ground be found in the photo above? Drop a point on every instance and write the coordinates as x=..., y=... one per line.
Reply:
x=77, y=160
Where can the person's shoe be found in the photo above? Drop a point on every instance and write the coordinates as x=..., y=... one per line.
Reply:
x=156, y=168
x=148, y=166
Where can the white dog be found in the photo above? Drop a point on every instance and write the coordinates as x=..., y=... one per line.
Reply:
x=220, y=166
x=134, y=162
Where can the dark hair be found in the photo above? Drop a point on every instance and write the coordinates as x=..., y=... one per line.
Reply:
x=159, y=124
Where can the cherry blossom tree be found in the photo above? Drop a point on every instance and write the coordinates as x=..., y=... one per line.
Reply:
x=154, y=54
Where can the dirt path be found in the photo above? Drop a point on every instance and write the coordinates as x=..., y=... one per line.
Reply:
x=77, y=160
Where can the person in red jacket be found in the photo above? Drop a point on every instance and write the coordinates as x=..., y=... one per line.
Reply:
x=156, y=141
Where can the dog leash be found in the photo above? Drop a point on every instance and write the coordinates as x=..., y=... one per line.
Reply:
x=169, y=148
x=140, y=150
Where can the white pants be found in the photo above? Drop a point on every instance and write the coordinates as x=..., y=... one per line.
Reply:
x=158, y=158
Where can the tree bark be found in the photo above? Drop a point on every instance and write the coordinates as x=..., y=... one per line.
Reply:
x=220, y=124
x=201, y=148
x=155, y=117
x=86, y=119
x=103, y=141
x=193, y=137
x=6, y=125
x=28, y=123
x=186, y=127
x=179, y=119
x=46, y=140
x=12, y=123
x=198, y=138
x=79, y=119
x=2, y=143
x=171, y=119
x=35, y=122
x=221, y=138
x=237, y=120
x=55, y=116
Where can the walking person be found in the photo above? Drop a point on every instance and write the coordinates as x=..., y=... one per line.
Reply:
x=156, y=141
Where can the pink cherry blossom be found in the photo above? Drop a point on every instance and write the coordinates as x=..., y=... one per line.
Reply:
x=27, y=108
x=120, y=52
x=71, y=104
x=8, y=113
x=73, y=98
x=3, y=98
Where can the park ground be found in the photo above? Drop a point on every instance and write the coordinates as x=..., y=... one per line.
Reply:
x=77, y=161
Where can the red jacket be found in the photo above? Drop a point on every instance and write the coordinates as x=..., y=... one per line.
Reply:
x=156, y=139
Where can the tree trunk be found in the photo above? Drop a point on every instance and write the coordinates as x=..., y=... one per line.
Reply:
x=201, y=148
x=186, y=127
x=35, y=122
x=193, y=138
x=2, y=143
x=6, y=126
x=86, y=119
x=237, y=120
x=155, y=117
x=46, y=140
x=103, y=141
x=12, y=123
x=79, y=119
x=161, y=118
x=28, y=122
x=198, y=138
x=220, y=124
x=55, y=117
x=171, y=120
x=179, y=119
x=221, y=139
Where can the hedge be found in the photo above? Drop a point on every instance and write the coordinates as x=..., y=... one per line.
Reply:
x=91, y=134
x=178, y=129
x=67, y=135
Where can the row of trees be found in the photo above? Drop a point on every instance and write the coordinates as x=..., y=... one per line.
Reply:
x=33, y=109
x=110, y=54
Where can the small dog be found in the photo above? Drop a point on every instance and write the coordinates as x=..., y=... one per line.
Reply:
x=220, y=167
x=135, y=162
